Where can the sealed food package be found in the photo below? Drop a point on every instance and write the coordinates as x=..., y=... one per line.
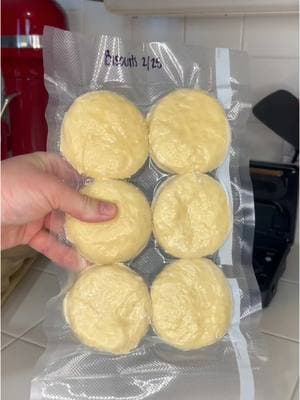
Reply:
x=169, y=307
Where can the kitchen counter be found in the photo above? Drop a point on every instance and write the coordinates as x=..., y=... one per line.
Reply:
x=23, y=340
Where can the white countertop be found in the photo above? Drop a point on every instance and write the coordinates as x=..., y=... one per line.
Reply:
x=23, y=340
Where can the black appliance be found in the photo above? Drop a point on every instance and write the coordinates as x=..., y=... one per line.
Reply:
x=275, y=188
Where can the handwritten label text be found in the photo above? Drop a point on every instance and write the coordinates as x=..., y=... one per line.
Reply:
x=131, y=61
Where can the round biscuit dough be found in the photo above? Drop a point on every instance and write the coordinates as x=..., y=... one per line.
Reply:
x=191, y=215
x=188, y=131
x=191, y=304
x=109, y=308
x=104, y=135
x=119, y=239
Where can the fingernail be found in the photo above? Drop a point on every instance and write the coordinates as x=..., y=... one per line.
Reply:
x=107, y=209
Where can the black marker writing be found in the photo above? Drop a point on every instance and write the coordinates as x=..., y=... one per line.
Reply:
x=131, y=61
x=151, y=62
x=117, y=60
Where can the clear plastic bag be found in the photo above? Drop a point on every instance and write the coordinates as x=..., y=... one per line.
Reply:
x=144, y=72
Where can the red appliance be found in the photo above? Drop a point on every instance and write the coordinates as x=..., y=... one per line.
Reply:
x=23, y=22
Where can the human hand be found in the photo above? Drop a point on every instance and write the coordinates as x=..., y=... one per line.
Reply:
x=34, y=186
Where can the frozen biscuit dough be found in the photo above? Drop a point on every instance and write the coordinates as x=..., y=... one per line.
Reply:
x=109, y=308
x=119, y=239
x=191, y=215
x=191, y=304
x=104, y=135
x=188, y=131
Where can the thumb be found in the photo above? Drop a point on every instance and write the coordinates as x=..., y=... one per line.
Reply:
x=79, y=206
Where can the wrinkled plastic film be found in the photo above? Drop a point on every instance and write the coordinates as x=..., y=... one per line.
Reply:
x=75, y=64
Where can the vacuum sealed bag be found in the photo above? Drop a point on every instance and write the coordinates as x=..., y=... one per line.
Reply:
x=144, y=73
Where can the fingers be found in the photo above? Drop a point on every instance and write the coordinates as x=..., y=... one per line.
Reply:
x=14, y=235
x=53, y=164
x=64, y=256
x=11, y=236
x=63, y=197
x=90, y=210
x=54, y=222
x=70, y=201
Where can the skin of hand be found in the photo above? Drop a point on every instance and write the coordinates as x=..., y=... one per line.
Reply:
x=37, y=190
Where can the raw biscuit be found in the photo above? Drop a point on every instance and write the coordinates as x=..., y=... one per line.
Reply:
x=119, y=239
x=191, y=215
x=191, y=304
x=104, y=135
x=188, y=131
x=109, y=308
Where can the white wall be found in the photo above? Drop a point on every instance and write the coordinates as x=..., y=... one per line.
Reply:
x=271, y=41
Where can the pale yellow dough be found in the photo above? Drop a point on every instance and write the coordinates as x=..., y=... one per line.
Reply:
x=191, y=304
x=191, y=215
x=188, y=131
x=109, y=308
x=119, y=239
x=104, y=135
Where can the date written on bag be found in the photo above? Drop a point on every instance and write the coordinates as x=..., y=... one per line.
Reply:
x=131, y=61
